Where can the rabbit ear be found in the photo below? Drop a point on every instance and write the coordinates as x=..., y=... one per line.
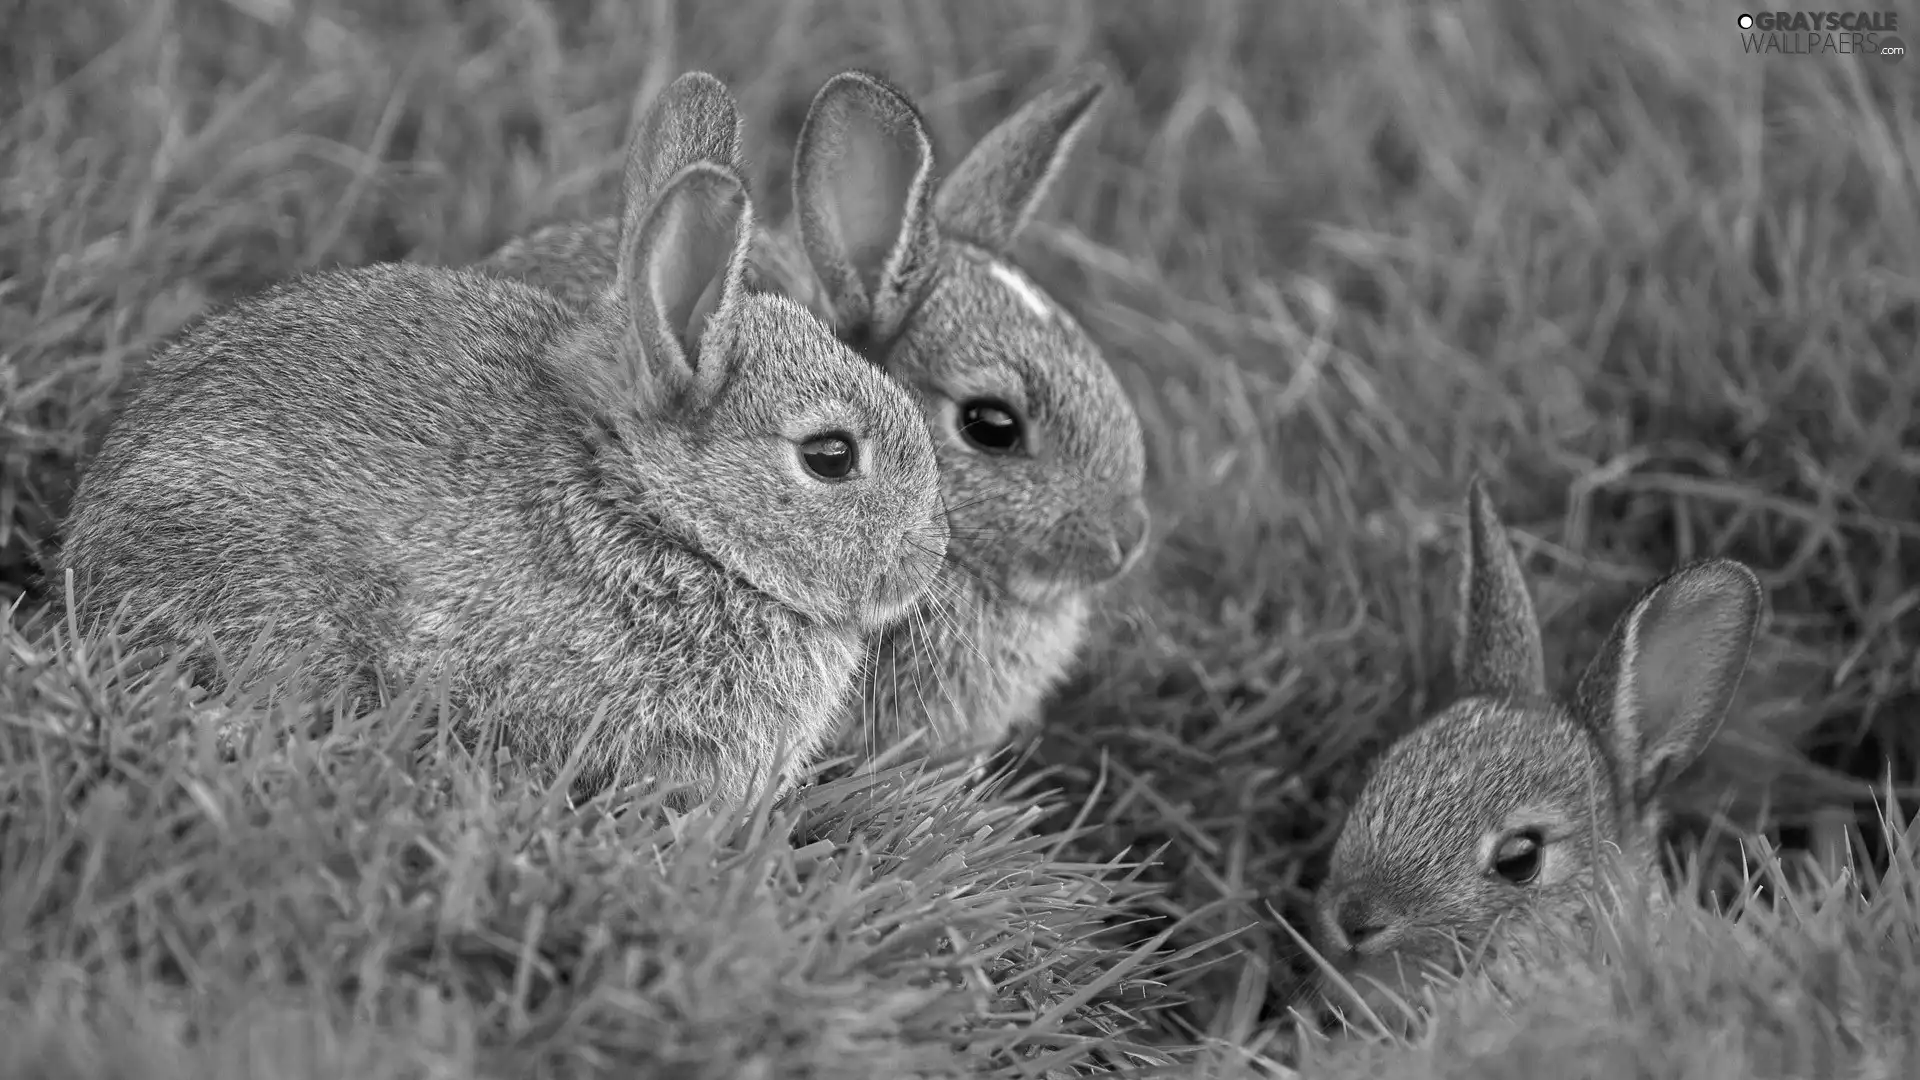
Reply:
x=680, y=273
x=990, y=197
x=1498, y=650
x=693, y=119
x=862, y=193
x=1661, y=685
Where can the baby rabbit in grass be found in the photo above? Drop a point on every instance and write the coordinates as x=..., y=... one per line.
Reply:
x=1040, y=451
x=1493, y=813
x=682, y=503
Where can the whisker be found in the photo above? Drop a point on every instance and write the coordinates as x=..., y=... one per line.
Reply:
x=923, y=547
x=923, y=645
x=973, y=534
x=957, y=631
x=919, y=690
x=993, y=589
x=870, y=712
x=978, y=500
x=945, y=612
x=915, y=630
x=954, y=634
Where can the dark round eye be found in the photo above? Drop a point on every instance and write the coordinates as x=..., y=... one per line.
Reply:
x=1517, y=858
x=990, y=425
x=829, y=457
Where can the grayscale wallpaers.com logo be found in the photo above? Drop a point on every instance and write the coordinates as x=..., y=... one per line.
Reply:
x=1857, y=33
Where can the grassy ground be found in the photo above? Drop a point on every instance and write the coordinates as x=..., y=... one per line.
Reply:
x=1662, y=293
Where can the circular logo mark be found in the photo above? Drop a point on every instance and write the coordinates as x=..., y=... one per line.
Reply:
x=1892, y=49
x=1746, y=22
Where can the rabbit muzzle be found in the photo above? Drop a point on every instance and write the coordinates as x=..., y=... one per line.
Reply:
x=1369, y=942
x=1084, y=550
x=904, y=584
x=1383, y=980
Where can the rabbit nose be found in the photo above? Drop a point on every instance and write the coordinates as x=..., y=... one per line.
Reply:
x=1359, y=922
x=1351, y=922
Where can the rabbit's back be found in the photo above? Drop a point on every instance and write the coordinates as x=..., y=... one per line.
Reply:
x=316, y=381
x=574, y=262
x=290, y=456
x=407, y=354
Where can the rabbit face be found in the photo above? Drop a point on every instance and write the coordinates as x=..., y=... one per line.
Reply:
x=1039, y=448
x=1483, y=818
x=809, y=474
x=1040, y=451
x=752, y=431
x=1491, y=820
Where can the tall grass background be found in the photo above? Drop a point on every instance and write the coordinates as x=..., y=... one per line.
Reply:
x=1661, y=292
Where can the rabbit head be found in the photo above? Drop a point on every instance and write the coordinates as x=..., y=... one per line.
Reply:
x=1494, y=815
x=1039, y=448
x=749, y=429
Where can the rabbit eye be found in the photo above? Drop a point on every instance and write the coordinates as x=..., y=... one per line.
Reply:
x=829, y=457
x=1517, y=858
x=991, y=426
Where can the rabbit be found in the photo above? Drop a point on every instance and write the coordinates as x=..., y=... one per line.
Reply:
x=1040, y=450
x=680, y=510
x=1483, y=824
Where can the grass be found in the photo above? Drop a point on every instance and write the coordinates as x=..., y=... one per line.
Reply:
x=338, y=908
x=1662, y=293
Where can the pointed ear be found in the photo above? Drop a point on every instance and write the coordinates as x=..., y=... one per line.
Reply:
x=1661, y=685
x=693, y=119
x=992, y=194
x=680, y=274
x=863, y=196
x=1497, y=651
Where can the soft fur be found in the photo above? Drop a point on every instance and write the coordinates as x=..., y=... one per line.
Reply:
x=1412, y=880
x=916, y=275
x=407, y=471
